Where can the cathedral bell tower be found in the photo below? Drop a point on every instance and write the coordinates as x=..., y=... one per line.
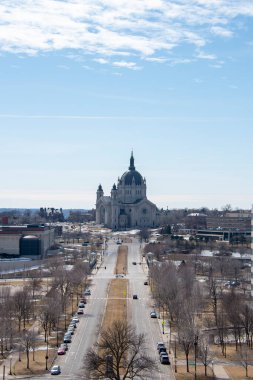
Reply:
x=100, y=192
x=114, y=192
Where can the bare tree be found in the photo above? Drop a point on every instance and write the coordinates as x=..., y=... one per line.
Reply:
x=120, y=354
x=245, y=358
x=234, y=314
x=186, y=335
x=35, y=283
x=22, y=306
x=247, y=322
x=204, y=352
x=28, y=338
x=144, y=234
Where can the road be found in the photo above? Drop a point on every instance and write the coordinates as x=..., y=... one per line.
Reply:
x=139, y=310
x=138, y=313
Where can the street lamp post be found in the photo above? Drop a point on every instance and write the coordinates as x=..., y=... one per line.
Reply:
x=10, y=373
x=212, y=370
x=46, y=357
x=170, y=336
x=195, y=355
x=72, y=307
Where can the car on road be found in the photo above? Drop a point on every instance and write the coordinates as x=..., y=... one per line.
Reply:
x=61, y=351
x=153, y=314
x=87, y=292
x=80, y=311
x=162, y=349
x=55, y=370
x=160, y=344
x=145, y=282
x=135, y=297
x=71, y=330
x=119, y=275
x=164, y=359
x=65, y=346
x=67, y=338
x=134, y=262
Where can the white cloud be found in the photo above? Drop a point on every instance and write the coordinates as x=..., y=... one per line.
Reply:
x=222, y=32
x=102, y=61
x=126, y=65
x=140, y=29
x=203, y=55
x=157, y=59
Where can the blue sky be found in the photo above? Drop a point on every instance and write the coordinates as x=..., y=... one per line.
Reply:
x=85, y=82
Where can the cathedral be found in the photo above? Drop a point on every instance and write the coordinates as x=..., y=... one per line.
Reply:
x=128, y=206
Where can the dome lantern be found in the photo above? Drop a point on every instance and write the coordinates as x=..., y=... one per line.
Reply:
x=132, y=167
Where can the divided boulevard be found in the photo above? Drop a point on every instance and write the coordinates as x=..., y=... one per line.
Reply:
x=87, y=332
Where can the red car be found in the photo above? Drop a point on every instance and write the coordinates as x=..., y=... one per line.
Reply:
x=61, y=351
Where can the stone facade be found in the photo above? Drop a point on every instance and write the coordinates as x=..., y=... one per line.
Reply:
x=128, y=206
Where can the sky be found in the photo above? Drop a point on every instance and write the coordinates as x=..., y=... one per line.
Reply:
x=84, y=82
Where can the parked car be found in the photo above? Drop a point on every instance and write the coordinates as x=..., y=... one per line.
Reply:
x=80, y=311
x=162, y=349
x=164, y=359
x=65, y=346
x=72, y=324
x=71, y=330
x=61, y=351
x=134, y=262
x=55, y=370
x=67, y=338
x=232, y=283
x=160, y=344
x=145, y=282
x=75, y=319
x=135, y=297
x=153, y=314
x=83, y=300
x=81, y=305
x=87, y=292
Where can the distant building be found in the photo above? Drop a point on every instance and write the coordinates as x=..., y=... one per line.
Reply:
x=26, y=240
x=128, y=206
x=195, y=221
x=239, y=221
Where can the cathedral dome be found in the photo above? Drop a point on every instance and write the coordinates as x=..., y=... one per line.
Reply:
x=132, y=175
